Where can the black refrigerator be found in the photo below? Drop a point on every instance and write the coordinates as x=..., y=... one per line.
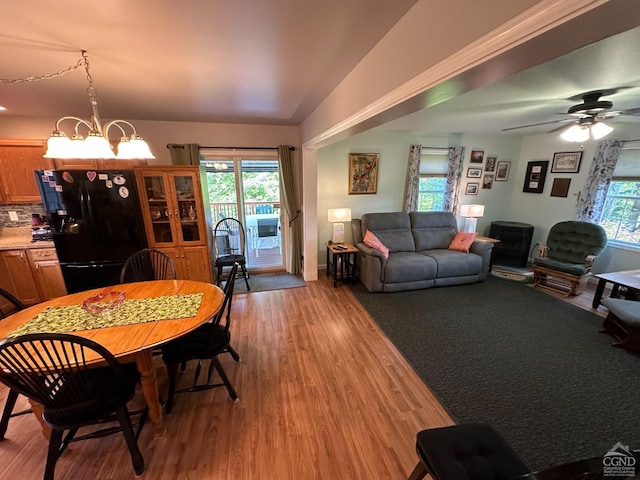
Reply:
x=96, y=222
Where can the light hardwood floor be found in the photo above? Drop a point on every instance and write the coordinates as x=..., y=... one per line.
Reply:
x=323, y=395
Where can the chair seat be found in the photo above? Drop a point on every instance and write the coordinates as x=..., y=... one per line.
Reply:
x=206, y=341
x=229, y=260
x=472, y=451
x=109, y=393
x=571, y=268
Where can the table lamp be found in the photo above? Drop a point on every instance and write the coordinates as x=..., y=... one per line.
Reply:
x=471, y=212
x=337, y=216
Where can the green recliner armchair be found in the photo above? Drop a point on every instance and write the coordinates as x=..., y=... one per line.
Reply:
x=566, y=259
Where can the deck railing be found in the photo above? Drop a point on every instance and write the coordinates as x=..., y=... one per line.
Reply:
x=220, y=210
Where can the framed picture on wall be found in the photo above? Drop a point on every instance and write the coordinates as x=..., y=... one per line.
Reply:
x=502, y=171
x=363, y=173
x=477, y=156
x=566, y=162
x=487, y=181
x=472, y=189
x=473, y=172
x=535, y=176
x=490, y=165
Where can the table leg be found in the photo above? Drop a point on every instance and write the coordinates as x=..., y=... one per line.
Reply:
x=335, y=270
x=144, y=362
x=38, y=410
x=599, y=291
x=328, y=261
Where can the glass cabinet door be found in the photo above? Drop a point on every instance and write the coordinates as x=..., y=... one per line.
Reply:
x=184, y=186
x=158, y=208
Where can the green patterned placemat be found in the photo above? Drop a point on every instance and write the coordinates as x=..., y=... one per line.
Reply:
x=73, y=318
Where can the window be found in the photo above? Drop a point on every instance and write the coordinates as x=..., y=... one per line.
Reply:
x=621, y=212
x=432, y=179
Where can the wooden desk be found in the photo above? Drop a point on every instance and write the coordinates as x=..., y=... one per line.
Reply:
x=133, y=341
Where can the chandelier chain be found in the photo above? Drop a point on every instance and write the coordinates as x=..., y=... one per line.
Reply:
x=48, y=76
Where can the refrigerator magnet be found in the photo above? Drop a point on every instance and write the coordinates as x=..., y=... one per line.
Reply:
x=124, y=192
x=67, y=177
x=48, y=173
x=108, y=184
x=103, y=176
x=45, y=178
x=59, y=189
x=119, y=180
x=52, y=184
x=91, y=175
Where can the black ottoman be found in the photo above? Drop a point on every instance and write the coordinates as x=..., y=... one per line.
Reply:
x=466, y=452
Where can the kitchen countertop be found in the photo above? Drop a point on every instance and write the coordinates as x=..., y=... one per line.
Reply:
x=13, y=238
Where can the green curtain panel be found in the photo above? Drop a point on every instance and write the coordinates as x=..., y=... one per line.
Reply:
x=292, y=206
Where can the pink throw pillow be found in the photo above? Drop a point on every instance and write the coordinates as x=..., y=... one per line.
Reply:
x=371, y=240
x=462, y=241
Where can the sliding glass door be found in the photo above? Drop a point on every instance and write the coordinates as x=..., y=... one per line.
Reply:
x=246, y=186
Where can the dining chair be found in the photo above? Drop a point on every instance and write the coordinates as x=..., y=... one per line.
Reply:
x=204, y=343
x=58, y=371
x=148, y=264
x=10, y=305
x=229, y=248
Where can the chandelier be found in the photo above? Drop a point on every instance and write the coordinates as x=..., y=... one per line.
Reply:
x=96, y=143
x=586, y=128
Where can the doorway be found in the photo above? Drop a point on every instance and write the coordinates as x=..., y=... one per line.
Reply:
x=246, y=185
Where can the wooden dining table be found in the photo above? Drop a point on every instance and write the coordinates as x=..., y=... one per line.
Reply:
x=134, y=342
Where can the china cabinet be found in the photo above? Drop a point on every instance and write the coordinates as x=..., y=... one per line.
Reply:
x=176, y=218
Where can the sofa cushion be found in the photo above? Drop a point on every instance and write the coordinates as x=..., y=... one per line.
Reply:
x=392, y=229
x=462, y=241
x=374, y=242
x=454, y=264
x=409, y=267
x=432, y=229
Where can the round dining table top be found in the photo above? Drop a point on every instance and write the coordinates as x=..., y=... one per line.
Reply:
x=130, y=339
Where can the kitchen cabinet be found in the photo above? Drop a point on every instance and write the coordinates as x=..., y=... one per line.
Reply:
x=34, y=275
x=18, y=160
x=20, y=281
x=46, y=273
x=97, y=164
x=176, y=218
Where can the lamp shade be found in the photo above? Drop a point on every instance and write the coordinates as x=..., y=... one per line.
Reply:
x=339, y=215
x=472, y=210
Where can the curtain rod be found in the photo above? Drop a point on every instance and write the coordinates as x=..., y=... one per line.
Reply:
x=291, y=148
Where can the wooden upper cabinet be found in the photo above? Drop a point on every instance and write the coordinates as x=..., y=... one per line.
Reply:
x=18, y=160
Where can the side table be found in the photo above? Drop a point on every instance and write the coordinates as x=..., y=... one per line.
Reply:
x=341, y=262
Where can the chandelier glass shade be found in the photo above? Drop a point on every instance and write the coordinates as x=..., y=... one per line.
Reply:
x=95, y=144
x=584, y=130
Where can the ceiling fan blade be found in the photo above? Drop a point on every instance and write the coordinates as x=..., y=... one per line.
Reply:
x=537, y=124
x=630, y=111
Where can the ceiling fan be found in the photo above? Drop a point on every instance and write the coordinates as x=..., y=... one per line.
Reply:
x=586, y=117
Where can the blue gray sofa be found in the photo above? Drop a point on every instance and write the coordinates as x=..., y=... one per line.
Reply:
x=418, y=252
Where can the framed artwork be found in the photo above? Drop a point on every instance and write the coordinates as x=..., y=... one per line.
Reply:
x=477, y=156
x=560, y=187
x=473, y=172
x=502, y=171
x=490, y=166
x=487, y=181
x=566, y=162
x=472, y=189
x=535, y=176
x=363, y=173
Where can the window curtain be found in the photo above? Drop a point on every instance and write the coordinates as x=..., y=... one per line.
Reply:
x=413, y=178
x=594, y=192
x=292, y=207
x=454, y=178
x=184, y=154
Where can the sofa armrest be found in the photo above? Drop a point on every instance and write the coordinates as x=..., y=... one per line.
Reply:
x=480, y=248
x=371, y=265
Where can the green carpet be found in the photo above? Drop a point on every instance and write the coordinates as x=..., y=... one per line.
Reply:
x=532, y=365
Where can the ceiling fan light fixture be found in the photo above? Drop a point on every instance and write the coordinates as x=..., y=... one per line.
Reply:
x=600, y=130
x=576, y=133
